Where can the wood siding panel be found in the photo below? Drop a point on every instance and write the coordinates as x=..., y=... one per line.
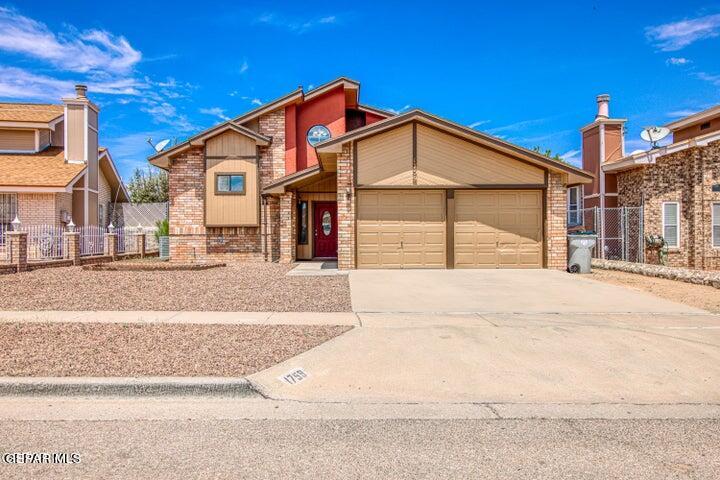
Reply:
x=58, y=136
x=443, y=159
x=11, y=140
x=232, y=210
x=44, y=138
x=230, y=144
x=387, y=158
x=401, y=229
x=75, y=133
x=498, y=229
x=92, y=162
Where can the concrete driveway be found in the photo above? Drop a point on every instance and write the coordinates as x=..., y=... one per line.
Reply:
x=515, y=337
x=496, y=291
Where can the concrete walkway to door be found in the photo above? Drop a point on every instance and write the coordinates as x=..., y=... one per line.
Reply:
x=497, y=291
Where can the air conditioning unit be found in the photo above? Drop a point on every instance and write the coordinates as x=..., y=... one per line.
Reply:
x=65, y=216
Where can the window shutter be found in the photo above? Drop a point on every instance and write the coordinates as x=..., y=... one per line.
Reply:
x=670, y=220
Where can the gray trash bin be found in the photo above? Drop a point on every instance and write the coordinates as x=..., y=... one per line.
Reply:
x=580, y=249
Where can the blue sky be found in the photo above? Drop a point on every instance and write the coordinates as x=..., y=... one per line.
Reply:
x=527, y=73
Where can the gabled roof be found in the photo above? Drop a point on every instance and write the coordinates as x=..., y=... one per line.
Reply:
x=297, y=96
x=46, y=169
x=699, y=117
x=107, y=165
x=201, y=137
x=30, y=112
x=334, y=145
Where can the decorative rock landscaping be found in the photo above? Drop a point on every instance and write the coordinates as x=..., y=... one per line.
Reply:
x=698, y=277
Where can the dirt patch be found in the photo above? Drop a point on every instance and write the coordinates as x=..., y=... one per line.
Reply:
x=700, y=296
x=258, y=287
x=98, y=349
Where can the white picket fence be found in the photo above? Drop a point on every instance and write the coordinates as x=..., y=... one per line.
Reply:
x=44, y=242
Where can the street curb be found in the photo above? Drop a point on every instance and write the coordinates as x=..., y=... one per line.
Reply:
x=126, y=386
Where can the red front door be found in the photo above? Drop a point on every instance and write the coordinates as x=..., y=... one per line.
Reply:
x=325, y=229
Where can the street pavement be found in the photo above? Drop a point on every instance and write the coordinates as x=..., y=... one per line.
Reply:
x=241, y=438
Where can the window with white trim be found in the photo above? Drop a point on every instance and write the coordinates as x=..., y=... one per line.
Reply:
x=8, y=208
x=671, y=223
x=574, y=206
x=716, y=224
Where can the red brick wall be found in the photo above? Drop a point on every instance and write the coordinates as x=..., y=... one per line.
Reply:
x=686, y=177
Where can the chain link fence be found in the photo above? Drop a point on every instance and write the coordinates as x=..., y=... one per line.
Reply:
x=620, y=231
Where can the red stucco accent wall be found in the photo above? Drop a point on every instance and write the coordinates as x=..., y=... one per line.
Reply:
x=328, y=110
x=372, y=118
x=290, y=139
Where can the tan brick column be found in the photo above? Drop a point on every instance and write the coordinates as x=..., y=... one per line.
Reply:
x=346, y=209
x=556, y=222
x=18, y=250
x=140, y=244
x=72, y=246
x=111, y=245
x=288, y=227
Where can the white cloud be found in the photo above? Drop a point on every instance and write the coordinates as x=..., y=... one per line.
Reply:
x=478, y=123
x=397, y=111
x=20, y=84
x=573, y=157
x=714, y=79
x=677, y=61
x=256, y=101
x=215, y=111
x=296, y=24
x=166, y=113
x=517, y=126
x=83, y=52
x=670, y=37
x=244, y=67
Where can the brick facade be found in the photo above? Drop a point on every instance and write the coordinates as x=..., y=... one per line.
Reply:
x=686, y=177
x=191, y=241
x=288, y=227
x=346, y=209
x=556, y=222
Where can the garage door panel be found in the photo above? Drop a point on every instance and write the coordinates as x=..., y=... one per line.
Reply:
x=498, y=229
x=408, y=228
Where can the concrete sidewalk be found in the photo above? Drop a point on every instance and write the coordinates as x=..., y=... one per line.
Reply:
x=210, y=318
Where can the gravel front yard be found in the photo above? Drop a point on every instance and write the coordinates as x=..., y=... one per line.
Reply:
x=95, y=349
x=260, y=287
x=700, y=296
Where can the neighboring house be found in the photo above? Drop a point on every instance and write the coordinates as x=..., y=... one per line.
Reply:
x=320, y=175
x=677, y=185
x=146, y=215
x=51, y=168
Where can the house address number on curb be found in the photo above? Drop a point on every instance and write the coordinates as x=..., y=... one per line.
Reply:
x=294, y=376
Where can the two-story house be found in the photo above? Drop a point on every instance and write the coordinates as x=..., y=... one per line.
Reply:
x=677, y=186
x=52, y=170
x=318, y=174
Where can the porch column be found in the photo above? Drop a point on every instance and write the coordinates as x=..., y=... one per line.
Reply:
x=288, y=227
x=556, y=222
x=140, y=244
x=346, y=209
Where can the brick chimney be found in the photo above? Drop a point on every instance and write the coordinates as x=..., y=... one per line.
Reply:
x=81, y=146
x=602, y=141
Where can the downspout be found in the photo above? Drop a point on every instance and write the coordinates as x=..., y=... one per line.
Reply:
x=264, y=228
x=602, y=190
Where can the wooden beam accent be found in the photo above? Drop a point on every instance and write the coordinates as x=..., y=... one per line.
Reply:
x=450, y=229
x=414, y=152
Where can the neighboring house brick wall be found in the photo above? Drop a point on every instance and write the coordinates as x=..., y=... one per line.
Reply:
x=63, y=201
x=556, y=222
x=288, y=227
x=37, y=209
x=686, y=177
x=346, y=209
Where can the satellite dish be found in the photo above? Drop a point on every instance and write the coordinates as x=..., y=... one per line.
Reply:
x=160, y=145
x=654, y=134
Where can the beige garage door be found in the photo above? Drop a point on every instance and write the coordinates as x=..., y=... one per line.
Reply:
x=498, y=229
x=401, y=229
